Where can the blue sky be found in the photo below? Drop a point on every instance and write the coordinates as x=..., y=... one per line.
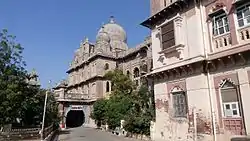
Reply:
x=50, y=30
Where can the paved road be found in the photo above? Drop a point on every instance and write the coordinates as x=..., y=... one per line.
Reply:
x=88, y=134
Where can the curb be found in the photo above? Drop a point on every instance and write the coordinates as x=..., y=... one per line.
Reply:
x=51, y=136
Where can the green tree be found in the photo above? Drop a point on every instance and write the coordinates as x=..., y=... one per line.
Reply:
x=122, y=85
x=19, y=99
x=126, y=102
x=99, y=111
x=141, y=114
x=120, y=101
x=117, y=108
x=32, y=111
x=12, y=78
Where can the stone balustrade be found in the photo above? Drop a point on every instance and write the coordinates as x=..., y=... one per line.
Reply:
x=244, y=34
x=25, y=133
x=76, y=96
x=221, y=42
x=27, y=130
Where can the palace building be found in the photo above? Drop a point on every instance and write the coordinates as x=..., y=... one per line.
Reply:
x=86, y=82
x=201, y=69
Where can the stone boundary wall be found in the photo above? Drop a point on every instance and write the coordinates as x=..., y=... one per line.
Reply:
x=26, y=134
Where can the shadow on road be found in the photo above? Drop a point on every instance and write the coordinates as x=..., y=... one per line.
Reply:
x=64, y=132
x=82, y=136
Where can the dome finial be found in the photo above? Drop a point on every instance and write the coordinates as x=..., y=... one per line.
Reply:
x=112, y=19
x=86, y=39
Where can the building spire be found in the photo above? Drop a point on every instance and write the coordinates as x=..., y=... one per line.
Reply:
x=86, y=40
x=112, y=19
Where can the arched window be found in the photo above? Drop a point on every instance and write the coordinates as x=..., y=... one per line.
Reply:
x=179, y=102
x=106, y=66
x=137, y=82
x=83, y=89
x=88, y=90
x=107, y=87
x=93, y=88
x=128, y=73
x=144, y=68
x=136, y=72
x=229, y=99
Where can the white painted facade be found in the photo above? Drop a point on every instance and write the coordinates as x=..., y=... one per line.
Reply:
x=198, y=68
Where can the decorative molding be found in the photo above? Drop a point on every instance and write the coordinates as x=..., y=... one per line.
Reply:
x=224, y=81
x=177, y=89
x=178, y=48
x=217, y=6
x=218, y=82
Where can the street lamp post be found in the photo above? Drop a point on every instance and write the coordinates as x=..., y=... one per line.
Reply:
x=44, y=112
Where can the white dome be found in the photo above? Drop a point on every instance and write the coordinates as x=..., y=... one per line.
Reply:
x=114, y=34
x=115, y=31
x=102, y=36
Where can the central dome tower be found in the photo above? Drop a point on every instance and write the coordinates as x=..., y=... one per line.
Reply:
x=116, y=34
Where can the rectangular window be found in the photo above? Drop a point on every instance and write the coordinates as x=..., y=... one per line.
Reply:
x=180, y=104
x=231, y=109
x=230, y=101
x=220, y=24
x=167, y=35
x=243, y=15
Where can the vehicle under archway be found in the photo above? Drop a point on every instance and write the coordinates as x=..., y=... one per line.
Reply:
x=75, y=119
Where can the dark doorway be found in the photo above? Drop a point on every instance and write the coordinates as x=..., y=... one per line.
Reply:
x=75, y=119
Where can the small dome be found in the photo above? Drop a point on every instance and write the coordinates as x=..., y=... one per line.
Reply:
x=33, y=73
x=119, y=45
x=102, y=36
x=115, y=31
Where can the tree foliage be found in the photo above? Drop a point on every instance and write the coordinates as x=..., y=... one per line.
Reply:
x=141, y=114
x=125, y=103
x=99, y=111
x=12, y=78
x=19, y=99
x=33, y=108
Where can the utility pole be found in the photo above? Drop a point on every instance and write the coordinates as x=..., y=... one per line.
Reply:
x=44, y=111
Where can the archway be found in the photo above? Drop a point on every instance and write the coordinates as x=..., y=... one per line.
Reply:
x=136, y=72
x=75, y=118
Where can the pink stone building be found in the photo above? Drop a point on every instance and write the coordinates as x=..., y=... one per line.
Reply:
x=86, y=80
x=201, y=69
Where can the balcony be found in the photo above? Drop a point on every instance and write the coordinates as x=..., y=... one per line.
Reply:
x=222, y=42
x=244, y=34
x=76, y=97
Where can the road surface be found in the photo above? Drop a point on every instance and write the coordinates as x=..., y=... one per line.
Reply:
x=88, y=134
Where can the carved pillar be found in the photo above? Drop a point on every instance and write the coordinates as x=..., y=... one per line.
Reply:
x=179, y=35
x=62, y=116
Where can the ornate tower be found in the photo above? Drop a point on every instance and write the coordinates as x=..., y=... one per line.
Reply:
x=33, y=78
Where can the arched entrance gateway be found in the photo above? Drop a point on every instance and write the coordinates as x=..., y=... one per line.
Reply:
x=75, y=116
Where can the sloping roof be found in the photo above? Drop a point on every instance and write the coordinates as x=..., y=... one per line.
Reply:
x=62, y=84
